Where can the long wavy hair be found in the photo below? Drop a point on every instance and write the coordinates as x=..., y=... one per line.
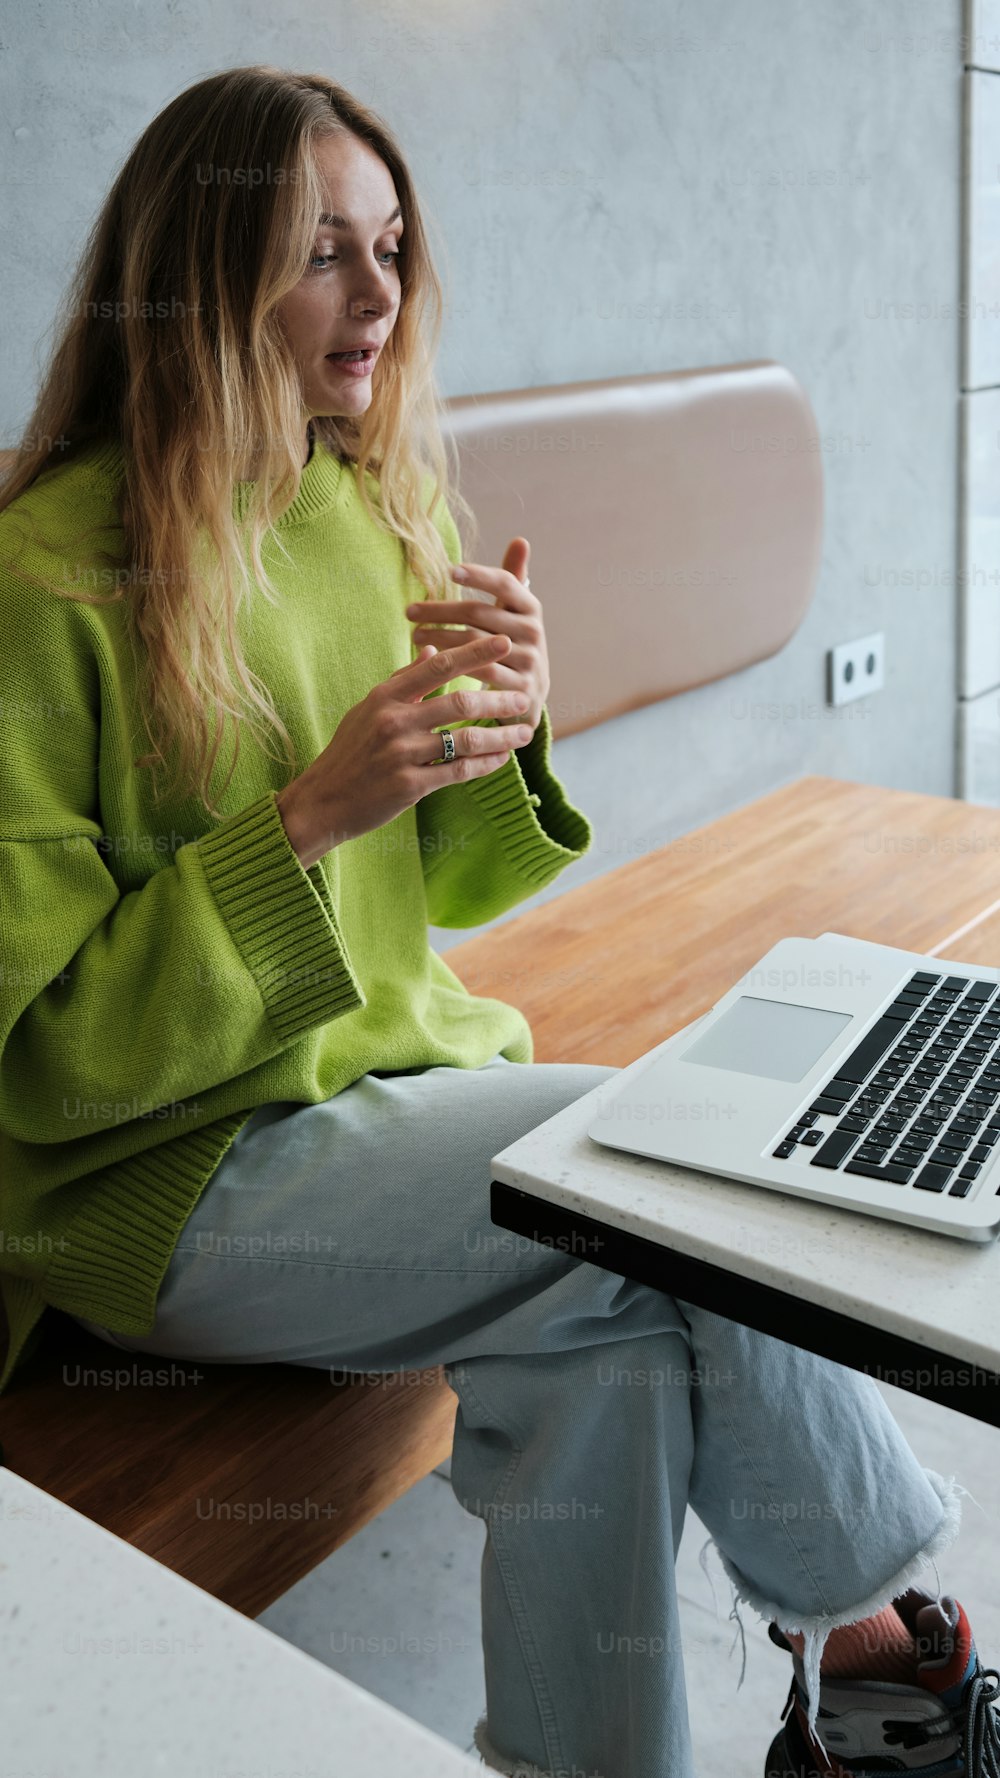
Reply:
x=172, y=348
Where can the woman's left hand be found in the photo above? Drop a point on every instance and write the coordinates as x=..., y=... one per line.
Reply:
x=517, y=613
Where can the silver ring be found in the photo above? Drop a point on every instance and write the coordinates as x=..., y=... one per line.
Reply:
x=449, y=746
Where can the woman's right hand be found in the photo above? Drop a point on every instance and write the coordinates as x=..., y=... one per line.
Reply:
x=385, y=756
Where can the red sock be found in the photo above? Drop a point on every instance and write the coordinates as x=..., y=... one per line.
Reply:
x=879, y=1647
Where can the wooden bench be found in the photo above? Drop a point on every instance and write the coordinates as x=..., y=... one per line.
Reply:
x=602, y=973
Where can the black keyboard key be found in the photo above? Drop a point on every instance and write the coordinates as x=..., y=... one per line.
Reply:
x=908, y=1155
x=806, y=1117
x=834, y=1149
x=829, y=1107
x=870, y=1050
x=987, y=1137
x=970, y=1171
x=890, y=1171
x=812, y=1138
x=956, y=981
x=898, y=1012
x=783, y=1150
x=961, y=1188
x=932, y=1179
x=840, y=1089
x=982, y=991
x=955, y=1141
x=981, y=1152
x=873, y=1151
x=945, y=1159
x=854, y=1123
x=924, y=975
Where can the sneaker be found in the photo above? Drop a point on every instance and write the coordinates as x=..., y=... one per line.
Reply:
x=944, y=1725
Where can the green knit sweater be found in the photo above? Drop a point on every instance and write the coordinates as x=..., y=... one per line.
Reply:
x=163, y=973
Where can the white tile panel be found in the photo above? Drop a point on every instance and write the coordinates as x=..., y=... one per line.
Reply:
x=979, y=749
x=981, y=230
x=982, y=33
x=979, y=535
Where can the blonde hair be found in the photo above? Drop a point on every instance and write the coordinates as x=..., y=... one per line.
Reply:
x=172, y=337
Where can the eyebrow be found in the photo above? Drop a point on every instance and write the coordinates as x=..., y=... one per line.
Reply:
x=330, y=219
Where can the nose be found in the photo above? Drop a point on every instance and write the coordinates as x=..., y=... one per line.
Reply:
x=369, y=296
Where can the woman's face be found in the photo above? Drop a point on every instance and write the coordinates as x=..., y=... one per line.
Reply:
x=349, y=294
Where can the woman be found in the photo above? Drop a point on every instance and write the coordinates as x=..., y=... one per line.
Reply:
x=250, y=1108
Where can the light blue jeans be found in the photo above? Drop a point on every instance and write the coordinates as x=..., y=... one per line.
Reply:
x=356, y=1235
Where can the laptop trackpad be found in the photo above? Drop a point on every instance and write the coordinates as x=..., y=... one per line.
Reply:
x=768, y=1037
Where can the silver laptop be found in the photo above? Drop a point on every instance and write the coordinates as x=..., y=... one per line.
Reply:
x=836, y=1069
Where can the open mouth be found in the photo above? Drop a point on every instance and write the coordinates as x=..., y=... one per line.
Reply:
x=358, y=364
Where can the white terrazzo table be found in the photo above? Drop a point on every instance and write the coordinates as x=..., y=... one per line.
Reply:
x=114, y=1667
x=917, y=1309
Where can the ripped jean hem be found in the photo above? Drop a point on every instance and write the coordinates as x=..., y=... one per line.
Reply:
x=816, y=1628
x=513, y=1767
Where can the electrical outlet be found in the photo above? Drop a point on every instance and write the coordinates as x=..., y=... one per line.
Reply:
x=853, y=669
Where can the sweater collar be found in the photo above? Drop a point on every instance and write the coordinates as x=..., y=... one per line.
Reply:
x=321, y=483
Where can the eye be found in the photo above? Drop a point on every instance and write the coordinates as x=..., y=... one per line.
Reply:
x=387, y=256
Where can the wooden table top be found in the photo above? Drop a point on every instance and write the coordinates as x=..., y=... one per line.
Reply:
x=608, y=970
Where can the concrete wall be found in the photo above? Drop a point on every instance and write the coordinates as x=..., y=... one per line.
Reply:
x=628, y=187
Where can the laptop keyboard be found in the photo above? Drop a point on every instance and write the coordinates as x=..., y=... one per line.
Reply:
x=917, y=1100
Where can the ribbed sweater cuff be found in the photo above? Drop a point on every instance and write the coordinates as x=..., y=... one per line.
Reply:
x=559, y=829
x=285, y=932
x=107, y=1255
